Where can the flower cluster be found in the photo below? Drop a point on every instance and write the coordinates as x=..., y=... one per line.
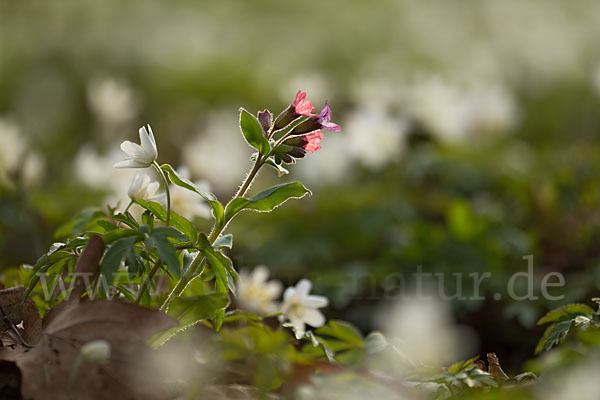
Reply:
x=307, y=134
x=257, y=294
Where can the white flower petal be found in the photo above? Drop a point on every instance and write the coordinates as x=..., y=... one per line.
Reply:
x=303, y=287
x=130, y=163
x=273, y=289
x=148, y=145
x=289, y=294
x=260, y=274
x=314, y=318
x=133, y=150
x=299, y=327
x=314, y=301
x=151, y=136
x=153, y=188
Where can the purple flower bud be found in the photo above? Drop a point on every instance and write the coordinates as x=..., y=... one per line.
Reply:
x=285, y=118
x=310, y=124
x=266, y=120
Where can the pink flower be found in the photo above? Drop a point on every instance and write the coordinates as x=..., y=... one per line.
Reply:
x=325, y=120
x=312, y=141
x=301, y=105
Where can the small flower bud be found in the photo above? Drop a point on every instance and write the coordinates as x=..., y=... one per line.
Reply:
x=96, y=352
x=285, y=118
x=266, y=120
x=309, y=125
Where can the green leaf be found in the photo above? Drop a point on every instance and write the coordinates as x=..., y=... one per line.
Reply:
x=344, y=340
x=280, y=169
x=79, y=224
x=189, y=310
x=253, y=132
x=106, y=225
x=179, y=222
x=221, y=266
x=567, y=312
x=342, y=331
x=268, y=200
x=553, y=335
x=126, y=219
x=166, y=250
x=120, y=233
x=462, y=365
x=224, y=241
x=113, y=256
x=180, y=181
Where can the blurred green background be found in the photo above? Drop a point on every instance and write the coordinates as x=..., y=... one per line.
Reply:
x=470, y=136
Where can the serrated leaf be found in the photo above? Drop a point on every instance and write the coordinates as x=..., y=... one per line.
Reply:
x=179, y=222
x=126, y=219
x=166, y=250
x=344, y=340
x=253, y=132
x=190, y=310
x=569, y=311
x=78, y=224
x=106, y=225
x=112, y=258
x=120, y=233
x=176, y=179
x=267, y=200
x=221, y=266
x=553, y=335
x=462, y=365
x=224, y=241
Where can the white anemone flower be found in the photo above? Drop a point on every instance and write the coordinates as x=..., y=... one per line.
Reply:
x=255, y=293
x=139, y=155
x=142, y=187
x=301, y=308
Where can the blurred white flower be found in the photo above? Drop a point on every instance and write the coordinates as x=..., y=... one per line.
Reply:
x=453, y=113
x=96, y=171
x=218, y=154
x=374, y=137
x=96, y=352
x=143, y=187
x=330, y=164
x=255, y=293
x=187, y=203
x=112, y=99
x=139, y=155
x=16, y=157
x=580, y=382
x=301, y=308
x=425, y=333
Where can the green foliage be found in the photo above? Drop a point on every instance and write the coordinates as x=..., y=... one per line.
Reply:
x=114, y=255
x=179, y=222
x=561, y=321
x=253, y=132
x=267, y=200
x=340, y=342
x=176, y=179
x=189, y=311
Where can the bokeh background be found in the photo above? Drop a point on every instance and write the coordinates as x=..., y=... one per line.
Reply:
x=470, y=136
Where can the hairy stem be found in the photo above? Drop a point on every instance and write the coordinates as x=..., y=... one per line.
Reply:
x=147, y=281
x=167, y=190
x=125, y=210
x=199, y=262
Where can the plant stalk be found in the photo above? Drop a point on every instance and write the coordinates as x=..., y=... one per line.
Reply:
x=167, y=190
